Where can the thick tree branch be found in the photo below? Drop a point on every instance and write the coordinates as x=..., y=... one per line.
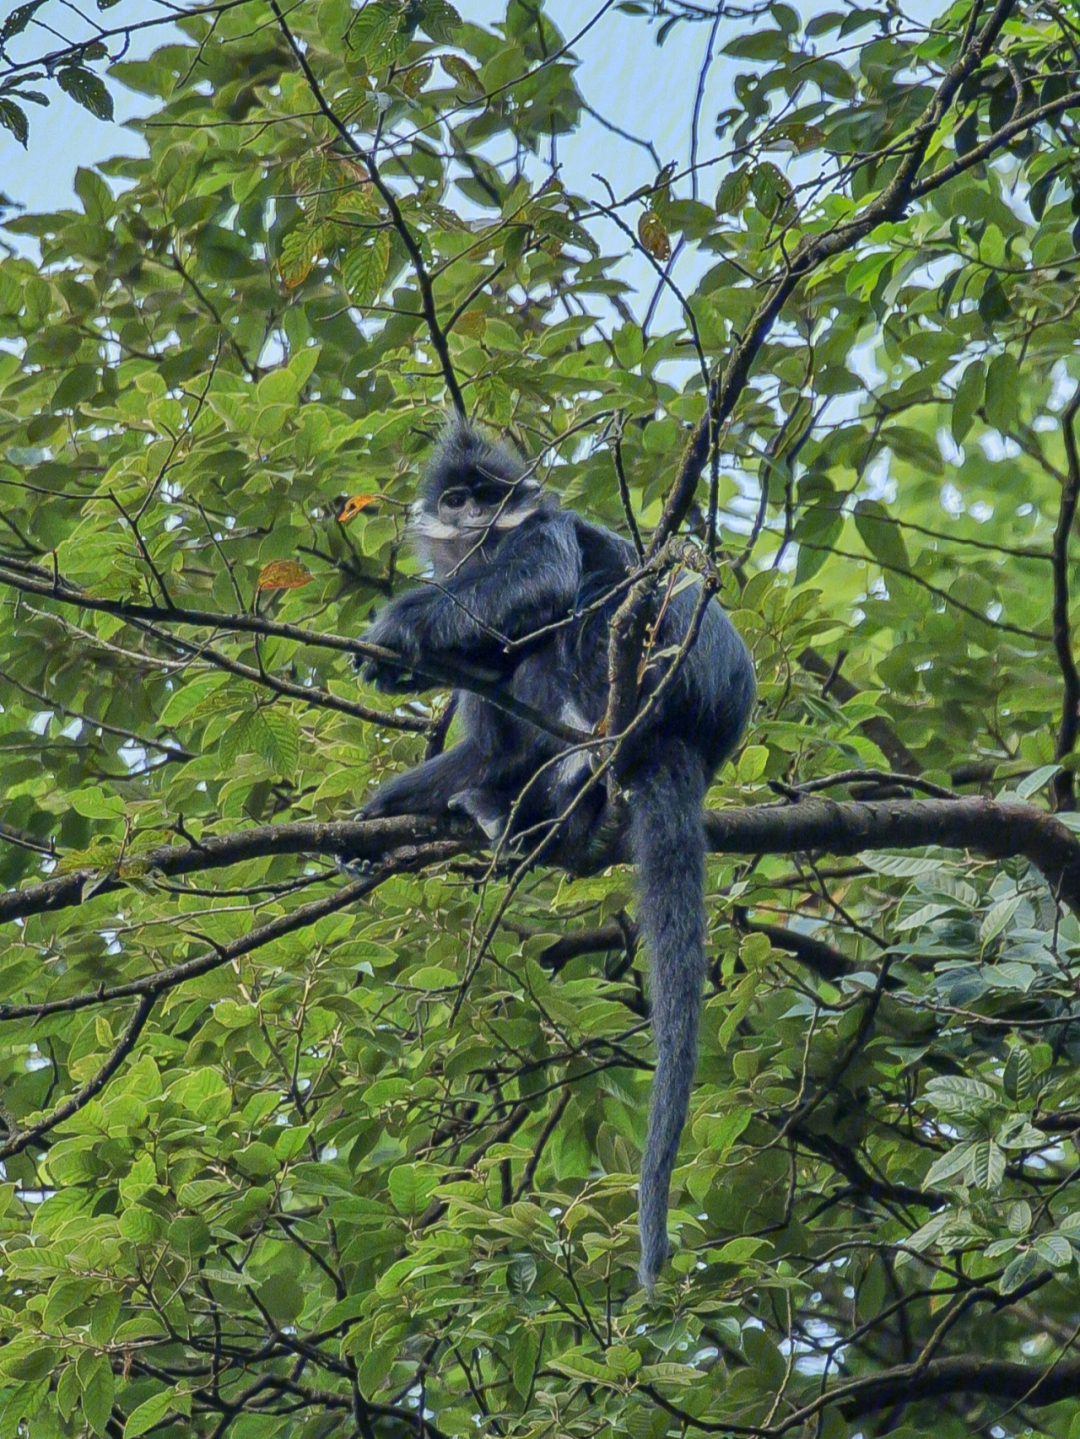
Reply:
x=822, y=959
x=985, y=826
x=966, y=1374
x=847, y=1163
x=358, y=839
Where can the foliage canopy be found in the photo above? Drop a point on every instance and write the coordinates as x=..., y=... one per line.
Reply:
x=289, y=1152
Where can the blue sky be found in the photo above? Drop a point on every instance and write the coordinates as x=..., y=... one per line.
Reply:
x=643, y=89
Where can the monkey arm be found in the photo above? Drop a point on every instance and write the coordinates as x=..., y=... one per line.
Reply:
x=532, y=581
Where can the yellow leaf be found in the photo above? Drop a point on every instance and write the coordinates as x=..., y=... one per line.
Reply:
x=472, y=323
x=414, y=80
x=283, y=575
x=654, y=236
x=464, y=74
x=299, y=251
x=353, y=505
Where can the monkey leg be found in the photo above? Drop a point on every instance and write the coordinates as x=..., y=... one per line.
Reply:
x=484, y=807
x=429, y=787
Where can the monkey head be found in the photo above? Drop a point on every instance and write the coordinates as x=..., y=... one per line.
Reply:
x=473, y=490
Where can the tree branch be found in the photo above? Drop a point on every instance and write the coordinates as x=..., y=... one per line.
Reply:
x=25, y=1137
x=985, y=826
x=811, y=252
x=33, y=580
x=389, y=199
x=401, y=861
x=966, y=1374
x=359, y=839
x=1063, y=791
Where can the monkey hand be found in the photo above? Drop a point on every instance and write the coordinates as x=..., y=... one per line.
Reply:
x=379, y=806
x=393, y=629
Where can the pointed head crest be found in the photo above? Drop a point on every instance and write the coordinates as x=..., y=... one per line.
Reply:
x=464, y=456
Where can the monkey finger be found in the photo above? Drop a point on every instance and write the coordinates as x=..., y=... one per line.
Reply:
x=354, y=868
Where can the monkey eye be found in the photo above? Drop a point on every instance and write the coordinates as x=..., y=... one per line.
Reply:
x=454, y=499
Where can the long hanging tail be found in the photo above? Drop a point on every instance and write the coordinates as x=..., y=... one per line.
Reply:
x=667, y=836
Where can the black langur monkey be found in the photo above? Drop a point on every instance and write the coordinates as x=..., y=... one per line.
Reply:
x=508, y=562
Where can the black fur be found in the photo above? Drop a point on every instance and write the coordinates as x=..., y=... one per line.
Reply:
x=508, y=561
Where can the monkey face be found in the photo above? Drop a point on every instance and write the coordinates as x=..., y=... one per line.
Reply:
x=484, y=506
x=466, y=518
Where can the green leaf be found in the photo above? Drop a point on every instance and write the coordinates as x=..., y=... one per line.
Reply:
x=1018, y=1217
x=987, y=1168
x=301, y=248
x=190, y=1234
x=463, y=73
x=921, y=917
x=1055, y=1249
x=278, y=741
x=204, y=1093
x=13, y=118
x=283, y=1297
x=27, y=1360
x=736, y=1251
x=994, y=302
x=915, y=448
x=440, y=20
x=759, y=45
x=18, y=20
x=139, y=1225
x=524, y=1351
x=98, y=1387
x=365, y=268
x=964, y=1098
x=521, y=1274
x=1035, y=781
x=733, y=192
x=580, y=1365
x=923, y=1237
x=817, y=530
x=968, y=398
x=411, y=1187
x=1018, y=1133
x=950, y=1164
x=1024, y=1267
x=1019, y=1072
x=881, y=535
x=1003, y=392
x=899, y=866
x=997, y=917
x=149, y=1413
x=103, y=1321
x=87, y=90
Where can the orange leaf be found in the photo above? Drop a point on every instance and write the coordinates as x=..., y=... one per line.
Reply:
x=654, y=236
x=283, y=575
x=354, y=504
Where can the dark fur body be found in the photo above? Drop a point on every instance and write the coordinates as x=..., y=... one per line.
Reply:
x=519, y=563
